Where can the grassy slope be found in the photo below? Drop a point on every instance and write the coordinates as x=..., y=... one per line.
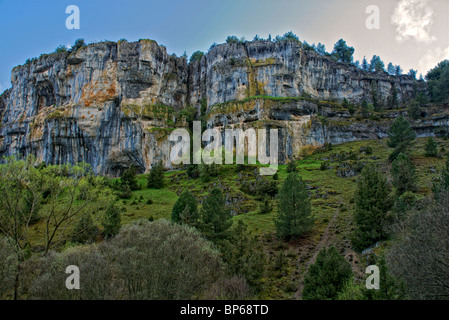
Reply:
x=331, y=198
x=331, y=205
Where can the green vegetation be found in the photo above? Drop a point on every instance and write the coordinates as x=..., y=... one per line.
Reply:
x=327, y=276
x=156, y=176
x=185, y=209
x=372, y=200
x=403, y=174
x=431, y=148
x=400, y=137
x=294, y=217
x=256, y=263
x=438, y=82
x=196, y=56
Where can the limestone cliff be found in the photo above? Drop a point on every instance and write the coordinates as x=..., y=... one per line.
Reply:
x=114, y=104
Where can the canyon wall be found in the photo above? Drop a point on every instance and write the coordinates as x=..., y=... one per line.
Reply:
x=113, y=105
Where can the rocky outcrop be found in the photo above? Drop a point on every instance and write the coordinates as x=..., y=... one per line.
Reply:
x=113, y=105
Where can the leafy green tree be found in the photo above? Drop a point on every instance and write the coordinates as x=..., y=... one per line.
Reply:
x=400, y=137
x=372, y=202
x=438, y=82
x=327, y=276
x=156, y=176
x=295, y=214
x=403, y=173
x=342, y=52
x=185, y=200
x=111, y=221
x=431, y=148
x=216, y=218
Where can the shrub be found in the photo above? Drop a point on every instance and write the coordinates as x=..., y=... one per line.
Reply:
x=327, y=276
x=431, y=148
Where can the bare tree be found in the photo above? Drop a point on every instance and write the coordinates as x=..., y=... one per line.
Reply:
x=420, y=255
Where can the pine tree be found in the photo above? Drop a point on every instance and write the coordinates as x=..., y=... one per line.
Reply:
x=403, y=173
x=294, y=218
x=327, y=276
x=372, y=202
x=191, y=215
x=431, y=148
x=129, y=178
x=111, y=221
x=216, y=218
x=365, y=109
x=156, y=176
x=365, y=65
x=400, y=136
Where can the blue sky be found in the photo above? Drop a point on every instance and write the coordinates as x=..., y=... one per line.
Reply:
x=413, y=33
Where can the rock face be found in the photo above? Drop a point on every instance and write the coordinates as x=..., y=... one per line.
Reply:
x=114, y=104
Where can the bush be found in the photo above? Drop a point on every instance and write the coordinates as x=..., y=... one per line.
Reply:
x=431, y=148
x=162, y=260
x=8, y=267
x=327, y=276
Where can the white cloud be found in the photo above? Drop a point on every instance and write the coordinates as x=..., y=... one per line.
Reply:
x=413, y=19
x=431, y=59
